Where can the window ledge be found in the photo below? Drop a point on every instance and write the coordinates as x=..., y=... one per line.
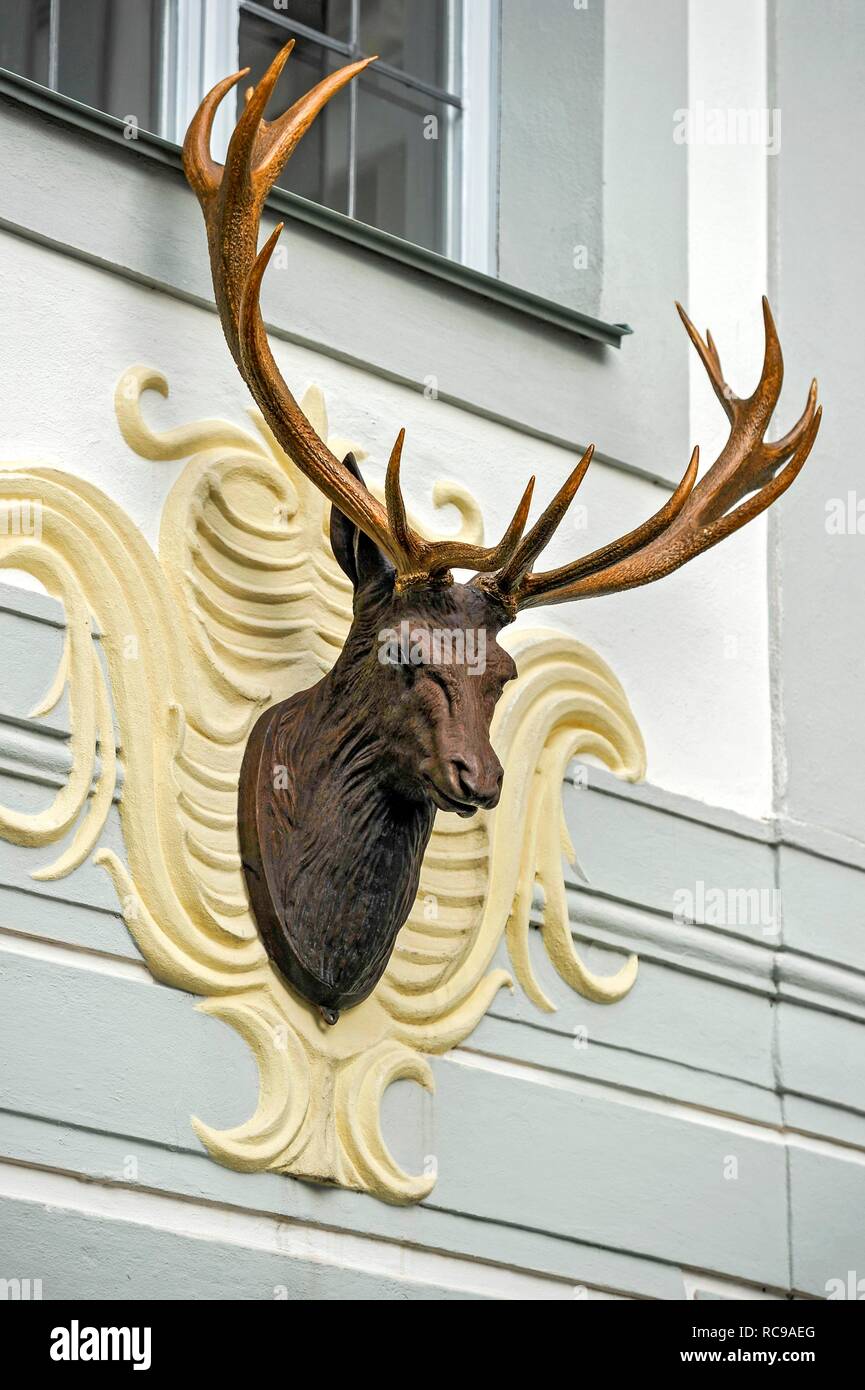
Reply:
x=290, y=205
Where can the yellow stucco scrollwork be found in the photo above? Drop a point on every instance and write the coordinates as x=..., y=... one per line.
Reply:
x=244, y=605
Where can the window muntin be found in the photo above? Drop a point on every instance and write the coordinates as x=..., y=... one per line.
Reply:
x=25, y=39
x=401, y=177
x=319, y=167
x=109, y=55
x=387, y=153
x=105, y=53
x=398, y=150
x=410, y=36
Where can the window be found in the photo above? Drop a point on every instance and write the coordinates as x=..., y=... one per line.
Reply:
x=383, y=154
x=405, y=149
x=104, y=53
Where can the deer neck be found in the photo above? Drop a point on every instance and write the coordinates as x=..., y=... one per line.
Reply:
x=351, y=845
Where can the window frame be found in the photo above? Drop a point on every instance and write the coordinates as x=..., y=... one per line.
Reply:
x=21, y=94
x=202, y=41
x=481, y=42
x=52, y=82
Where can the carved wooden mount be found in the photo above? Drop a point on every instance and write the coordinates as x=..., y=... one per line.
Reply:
x=244, y=607
x=340, y=784
x=250, y=615
x=332, y=853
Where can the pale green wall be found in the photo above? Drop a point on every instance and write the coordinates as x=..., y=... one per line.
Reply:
x=561, y=1167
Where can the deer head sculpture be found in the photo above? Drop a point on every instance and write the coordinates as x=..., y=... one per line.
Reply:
x=399, y=727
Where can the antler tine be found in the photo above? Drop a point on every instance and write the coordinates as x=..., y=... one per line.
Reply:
x=508, y=578
x=708, y=355
x=501, y=553
x=232, y=199
x=781, y=449
x=747, y=471
x=441, y=556
x=768, y=388
x=202, y=171
x=396, y=513
x=436, y=558
x=282, y=135
x=634, y=540
x=245, y=136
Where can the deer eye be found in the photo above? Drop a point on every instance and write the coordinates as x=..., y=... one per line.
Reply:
x=436, y=677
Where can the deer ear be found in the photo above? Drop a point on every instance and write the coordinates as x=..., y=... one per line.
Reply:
x=357, y=556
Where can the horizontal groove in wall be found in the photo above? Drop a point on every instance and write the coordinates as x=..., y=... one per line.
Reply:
x=716, y=953
x=231, y=1226
x=627, y=1086
x=376, y=314
x=816, y=840
x=315, y=344
x=32, y=605
x=641, y=1100
x=39, y=752
x=195, y=1177
x=54, y=105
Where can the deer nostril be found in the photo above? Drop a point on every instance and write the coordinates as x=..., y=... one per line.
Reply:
x=467, y=777
x=474, y=784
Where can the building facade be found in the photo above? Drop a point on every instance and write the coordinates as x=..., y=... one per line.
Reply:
x=484, y=245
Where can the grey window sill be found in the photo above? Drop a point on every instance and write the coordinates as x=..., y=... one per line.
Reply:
x=288, y=205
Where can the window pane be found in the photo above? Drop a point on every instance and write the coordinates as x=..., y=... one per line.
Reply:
x=110, y=56
x=318, y=169
x=408, y=34
x=331, y=17
x=402, y=140
x=24, y=38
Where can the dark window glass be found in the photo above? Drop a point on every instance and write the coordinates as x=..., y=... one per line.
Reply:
x=24, y=38
x=318, y=169
x=408, y=34
x=109, y=56
x=402, y=140
x=380, y=152
x=331, y=17
x=106, y=53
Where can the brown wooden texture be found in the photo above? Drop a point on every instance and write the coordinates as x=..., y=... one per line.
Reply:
x=340, y=784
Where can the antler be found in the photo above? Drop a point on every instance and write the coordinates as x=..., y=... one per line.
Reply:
x=696, y=517
x=232, y=198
